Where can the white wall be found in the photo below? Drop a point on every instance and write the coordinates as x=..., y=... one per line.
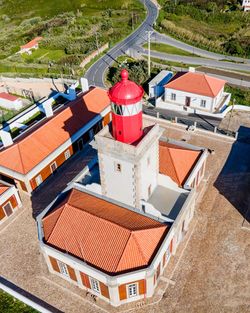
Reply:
x=11, y=105
x=148, y=172
x=195, y=99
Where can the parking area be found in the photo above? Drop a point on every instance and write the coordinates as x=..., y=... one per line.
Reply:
x=210, y=272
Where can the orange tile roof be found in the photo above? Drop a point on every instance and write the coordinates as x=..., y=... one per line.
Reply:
x=37, y=144
x=196, y=83
x=106, y=236
x=3, y=188
x=31, y=43
x=7, y=96
x=176, y=162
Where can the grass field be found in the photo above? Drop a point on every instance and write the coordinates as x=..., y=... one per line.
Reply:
x=9, y=304
x=71, y=30
x=218, y=25
x=160, y=47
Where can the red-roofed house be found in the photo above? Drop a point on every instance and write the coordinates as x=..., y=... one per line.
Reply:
x=196, y=91
x=38, y=152
x=10, y=102
x=33, y=44
x=9, y=201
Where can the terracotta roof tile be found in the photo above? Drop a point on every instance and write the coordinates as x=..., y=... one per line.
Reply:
x=196, y=83
x=176, y=162
x=104, y=235
x=3, y=188
x=53, y=132
x=31, y=43
x=7, y=96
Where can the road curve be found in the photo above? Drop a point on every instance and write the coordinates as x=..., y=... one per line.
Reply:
x=163, y=38
x=95, y=74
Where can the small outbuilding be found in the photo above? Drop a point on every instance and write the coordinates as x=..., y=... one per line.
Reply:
x=10, y=102
x=156, y=85
x=33, y=44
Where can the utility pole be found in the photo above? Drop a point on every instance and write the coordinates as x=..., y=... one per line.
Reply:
x=97, y=43
x=150, y=32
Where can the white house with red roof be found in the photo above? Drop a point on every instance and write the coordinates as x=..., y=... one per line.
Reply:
x=246, y=5
x=198, y=91
x=54, y=139
x=33, y=44
x=114, y=235
x=10, y=102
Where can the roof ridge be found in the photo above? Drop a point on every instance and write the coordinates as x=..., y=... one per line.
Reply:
x=21, y=159
x=125, y=246
x=205, y=76
x=139, y=247
x=59, y=217
x=173, y=164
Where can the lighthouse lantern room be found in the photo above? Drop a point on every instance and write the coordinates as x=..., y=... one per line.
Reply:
x=126, y=104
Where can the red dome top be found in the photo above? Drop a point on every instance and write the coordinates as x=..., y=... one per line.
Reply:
x=125, y=91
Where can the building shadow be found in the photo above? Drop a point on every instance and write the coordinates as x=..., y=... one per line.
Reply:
x=233, y=181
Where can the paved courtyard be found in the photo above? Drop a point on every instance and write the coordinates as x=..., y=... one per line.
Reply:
x=210, y=272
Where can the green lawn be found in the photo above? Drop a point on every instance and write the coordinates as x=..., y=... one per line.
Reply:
x=160, y=47
x=71, y=30
x=9, y=304
x=174, y=64
x=218, y=25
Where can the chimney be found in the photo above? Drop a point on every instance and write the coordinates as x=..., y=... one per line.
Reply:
x=84, y=84
x=6, y=138
x=191, y=69
x=47, y=107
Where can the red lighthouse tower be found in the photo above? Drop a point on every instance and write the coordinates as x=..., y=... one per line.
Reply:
x=126, y=103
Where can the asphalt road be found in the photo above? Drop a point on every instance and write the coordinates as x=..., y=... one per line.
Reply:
x=196, y=60
x=96, y=72
x=162, y=38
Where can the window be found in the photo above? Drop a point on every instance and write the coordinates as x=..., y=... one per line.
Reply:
x=63, y=268
x=95, y=285
x=67, y=154
x=173, y=96
x=39, y=180
x=203, y=103
x=8, y=209
x=168, y=254
x=132, y=290
x=53, y=167
x=118, y=167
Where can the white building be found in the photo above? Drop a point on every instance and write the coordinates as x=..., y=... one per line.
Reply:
x=156, y=85
x=114, y=236
x=10, y=102
x=246, y=5
x=31, y=45
x=190, y=90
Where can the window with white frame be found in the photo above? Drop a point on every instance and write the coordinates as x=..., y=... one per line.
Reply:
x=132, y=290
x=173, y=96
x=67, y=154
x=38, y=180
x=63, y=268
x=95, y=285
x=203, y=103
